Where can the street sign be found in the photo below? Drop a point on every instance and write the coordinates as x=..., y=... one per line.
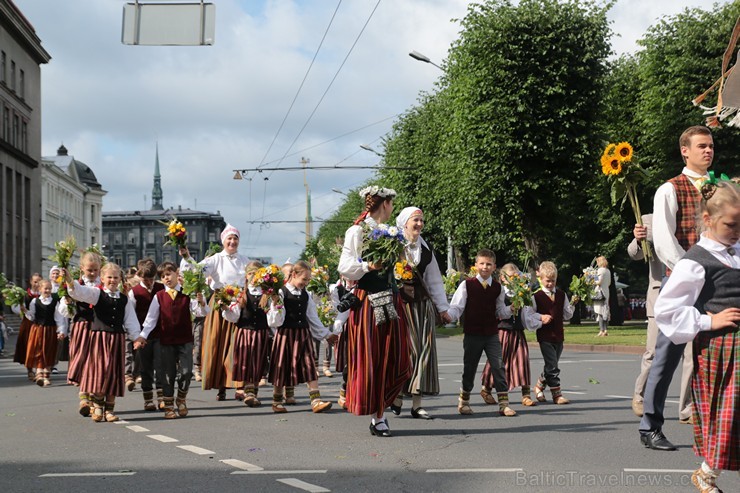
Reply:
x=169, y=24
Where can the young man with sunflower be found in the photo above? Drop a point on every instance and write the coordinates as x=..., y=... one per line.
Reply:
x=675, y=208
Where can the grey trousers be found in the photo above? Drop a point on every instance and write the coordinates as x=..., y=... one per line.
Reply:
x=149, y=356
x=473, y=348
x=551, y=352
x=197, y=338
x=173, y=358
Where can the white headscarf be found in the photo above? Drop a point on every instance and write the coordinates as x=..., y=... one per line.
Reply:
x=403, y=218
x=229, y=230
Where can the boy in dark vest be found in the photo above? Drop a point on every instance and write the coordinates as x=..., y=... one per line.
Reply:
x=146, y=358
x=480, y=301
x=550, y=308
x=171, y=312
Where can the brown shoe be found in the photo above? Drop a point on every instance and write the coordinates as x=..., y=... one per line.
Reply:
x=704, y=482
x=110, y=417
x=84, y=409
x=687, y=421
x=182, y=407
x=507, y=411
x=130, y=384
x=278, y=408
x=251, y=400
x=198, y=376
x=169, y=413
x=487, y=396
x=637, y=408
x=560, y=400
x=289, y=401
x=463, y=407
x=319, y=406
x=527, y=401
x=539, y=391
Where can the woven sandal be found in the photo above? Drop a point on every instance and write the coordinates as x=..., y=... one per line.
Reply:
x=488, y=397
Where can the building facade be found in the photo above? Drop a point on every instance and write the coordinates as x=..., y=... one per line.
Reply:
x=21, y=57
x=71, y=204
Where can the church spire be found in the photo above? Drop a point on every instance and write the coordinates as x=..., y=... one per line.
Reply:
x=157, y=190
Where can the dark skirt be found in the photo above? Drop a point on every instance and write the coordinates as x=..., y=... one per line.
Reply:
x=515, y=356
x=378, y=362
x=79, y=348
x=217, y=351
x=42, y=346
x=340, y=350
x=21, y=344
x=715, y=390
x=422, y=324
x=103, y=372
x=292, y=358
x=251, y=350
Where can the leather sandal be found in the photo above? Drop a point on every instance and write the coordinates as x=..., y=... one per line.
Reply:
x=464, y=408
x=319, y=406
x=539, y=392
x=252, y=401
x=507, y=411
x=487, y=396
x=278, y=408
x=527, y=401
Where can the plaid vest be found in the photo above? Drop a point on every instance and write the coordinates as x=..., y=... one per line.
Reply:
x=688, y=198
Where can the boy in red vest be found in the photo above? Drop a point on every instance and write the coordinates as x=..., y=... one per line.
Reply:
x=480, y=301
x=171, y=311
x=146, y=358
x=550, y=308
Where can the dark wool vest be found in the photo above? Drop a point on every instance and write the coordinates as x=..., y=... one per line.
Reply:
x=175, y=324
x=109, y=313
x=295, y=310
x=143, y=302
x=552, y=332
x=515, y=322
x=480, y=308
x=252, y=316
x=688, y=199
x=721, y=285
x=84, y=311
x=45, y=313
x=29, y=296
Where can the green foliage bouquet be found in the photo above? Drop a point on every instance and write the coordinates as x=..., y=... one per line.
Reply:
x=520, y=290
x=64, y=250
x=327, y=312
x=14, y=295
x=452, y=280
x=194, y=280
x=582, y=287
x=319, y=283
x=382, y=245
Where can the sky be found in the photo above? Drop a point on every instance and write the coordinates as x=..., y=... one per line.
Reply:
x=213, y=109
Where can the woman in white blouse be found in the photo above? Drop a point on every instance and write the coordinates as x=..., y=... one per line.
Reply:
x=601, y=307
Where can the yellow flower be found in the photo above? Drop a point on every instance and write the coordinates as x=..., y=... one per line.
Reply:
x=609, y=151
x=624, y=151
x=615, y=166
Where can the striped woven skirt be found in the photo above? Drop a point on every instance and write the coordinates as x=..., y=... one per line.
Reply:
x=79, y=349
x=378, y=362
x=515, y=356
x=340, y=350
x=715, y=390
x=422, y=325
x=292, y=358
x=103, y=372
x=251, y=350
x=217, y=351
x=42, y=346
x=21, y=344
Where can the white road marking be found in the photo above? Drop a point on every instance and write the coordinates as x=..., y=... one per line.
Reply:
x=513, y=469
x=86, y=474
x=137, y=428
x=565, y=362
x=245, y=466
x=122, y=422
x=294, y=471
x=162, y=438
x=196, y=450
x=677, y=471
x=297, y=483
x=619, y=397
x=672, y=402
x=573, y=392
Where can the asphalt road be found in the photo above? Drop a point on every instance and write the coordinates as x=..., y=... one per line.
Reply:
x=590, y=445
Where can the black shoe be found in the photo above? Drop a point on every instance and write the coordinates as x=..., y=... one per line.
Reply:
x=395, y=409
x=380, y=433
x=656, y=441
x=420, y=413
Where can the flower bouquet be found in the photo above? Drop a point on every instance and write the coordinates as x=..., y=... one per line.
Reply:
x=318, y=284
x=327, y=312
x=14, y=295
x=176, y=234
x=619, y=166
x=452, y=280
x=519, y=289
x=403, y=271
x=382, y=245
x=227, y=295
x=582, y=287
x=472, y=272
x=95, y=248
x=194, y=280
x=64, y=250
x=270, y=279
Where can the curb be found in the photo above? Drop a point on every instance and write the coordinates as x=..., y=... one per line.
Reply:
x=604, y=348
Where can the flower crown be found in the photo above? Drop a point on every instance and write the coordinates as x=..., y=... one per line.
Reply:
x=379, y=191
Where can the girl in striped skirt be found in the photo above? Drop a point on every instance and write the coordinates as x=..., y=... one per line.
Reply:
x=47, y=325
x=252, y=341
x=296, y=318
x=378, y=362
x=425, y=302
x=103, y=373
x=21, y=344
x=82, y=316
x=514, y=352
x=701, y=303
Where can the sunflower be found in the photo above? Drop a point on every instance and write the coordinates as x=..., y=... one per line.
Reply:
x=624, y=151
x=615, y=166
x=609, y=151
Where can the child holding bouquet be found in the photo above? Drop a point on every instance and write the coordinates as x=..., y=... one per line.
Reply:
x=47, y=325
x=21, y=344
x=296, y=319
x=252, y=342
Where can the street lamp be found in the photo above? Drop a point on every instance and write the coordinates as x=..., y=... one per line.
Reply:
x=336, y=190
x=368, y=148
x=423, y=58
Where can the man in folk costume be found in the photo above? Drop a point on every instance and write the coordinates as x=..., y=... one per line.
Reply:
x=675, y=208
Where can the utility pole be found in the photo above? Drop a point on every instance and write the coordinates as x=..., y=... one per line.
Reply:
x=309, y=221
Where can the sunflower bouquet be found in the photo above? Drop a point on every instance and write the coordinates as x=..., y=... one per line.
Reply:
x=270, y=279
x=327, y=312
x=382, y=245
x=619, y=165
x=403, y=271
x=227, y=295
x=319, y=283
x=194, y=280
x=519, y=290
x=582, y=287
x=14, y=295
x=176, y=233
x=63, y=252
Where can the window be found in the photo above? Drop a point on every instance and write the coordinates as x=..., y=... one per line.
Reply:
x=193, y=234
x=12, y=75
x=132, y=239
x=22, y=83
x=211, y=237
x=16, y=125
x=166, y=257
x=131, y=260
x=117, y=238
x=24, y=136
x=3, y=67
x=106, y=239
x=6, y=124
x=150, y=237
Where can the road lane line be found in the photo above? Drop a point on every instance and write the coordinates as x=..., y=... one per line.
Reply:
x=677, y=471
x=573, y=392
x=121, y=422
x=297, y=483
x=512, y=469
x=163, y=439
x=86, y=474
x=618, y=397
x=137, y=428
x=245, y=466
x=294, y=471
x=566, y=362
x=196, y=450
